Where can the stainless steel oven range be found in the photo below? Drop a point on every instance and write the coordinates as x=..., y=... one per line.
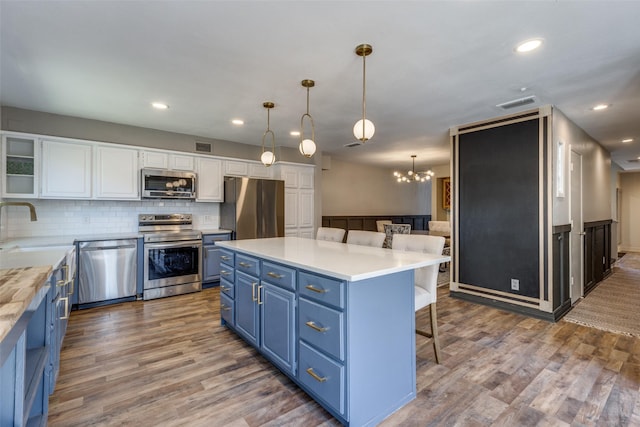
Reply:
x=172, y=254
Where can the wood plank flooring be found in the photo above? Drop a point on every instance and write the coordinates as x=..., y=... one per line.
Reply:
x=168, y=362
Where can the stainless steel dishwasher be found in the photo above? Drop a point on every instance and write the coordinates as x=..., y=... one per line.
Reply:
x=107, y=270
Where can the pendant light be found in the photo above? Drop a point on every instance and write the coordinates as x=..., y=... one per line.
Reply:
x=364, y=128
x=307, y=146
x=268, y=157
x=412, y=175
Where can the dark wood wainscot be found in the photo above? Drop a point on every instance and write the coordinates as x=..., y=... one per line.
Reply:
x=597, y=253
x=417, y=222
x=561, y=270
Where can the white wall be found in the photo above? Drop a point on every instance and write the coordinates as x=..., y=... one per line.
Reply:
x=357, y=189
x=630, y=212
x=596, y=172
x=81, y=217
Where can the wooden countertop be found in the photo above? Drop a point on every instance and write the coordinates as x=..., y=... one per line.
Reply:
x=18, y=287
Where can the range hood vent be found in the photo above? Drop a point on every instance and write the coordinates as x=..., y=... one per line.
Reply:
x=517, y=102
x=203, y=147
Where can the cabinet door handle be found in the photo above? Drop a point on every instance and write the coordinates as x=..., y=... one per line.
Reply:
x=316, y=376
x=314, y=289
x=73, y=285
x=275, y=275
x=224, y=307
x=66, y=308
x=245, y=264
x=253, y=291
x=315, y=327
x=225, y=258
x=66, y=273
x=260, y=302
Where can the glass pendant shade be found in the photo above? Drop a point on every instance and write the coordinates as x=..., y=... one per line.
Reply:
x=307, y=147
x=268, y=158
x=364, y=133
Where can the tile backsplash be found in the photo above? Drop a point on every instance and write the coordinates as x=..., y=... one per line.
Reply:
x=81, y=217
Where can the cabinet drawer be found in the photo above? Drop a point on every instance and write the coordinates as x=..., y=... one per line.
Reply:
x=227, y=287
x=322, y=326
x=279, y=275
x=227, y=272
x=227, y=257
x=322, y=289
x=248, y=265
x=226, y=308
x=323, y=376
x=209, y=239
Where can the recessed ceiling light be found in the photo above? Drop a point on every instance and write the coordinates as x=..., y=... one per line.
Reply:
x=159, y=105
x=529, y=45
x=237, y=122
x=600, y=107
x=627, y=140
x=294, y=133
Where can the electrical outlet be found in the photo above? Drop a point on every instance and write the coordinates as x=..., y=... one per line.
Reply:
x=208, y=219
x=515, y=284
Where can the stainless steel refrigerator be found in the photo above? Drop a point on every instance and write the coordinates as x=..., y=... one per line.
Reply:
x=253, y=208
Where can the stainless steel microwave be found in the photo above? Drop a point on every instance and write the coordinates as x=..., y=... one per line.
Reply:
x=168, y=184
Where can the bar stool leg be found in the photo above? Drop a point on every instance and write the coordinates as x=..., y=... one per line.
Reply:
x=434, y=331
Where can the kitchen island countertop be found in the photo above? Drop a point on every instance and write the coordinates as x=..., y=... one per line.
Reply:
x=340, y=260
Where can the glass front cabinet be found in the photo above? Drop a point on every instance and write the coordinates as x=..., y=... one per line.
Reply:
x=20, y=166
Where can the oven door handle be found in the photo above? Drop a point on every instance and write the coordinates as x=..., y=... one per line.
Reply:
x=190, y=243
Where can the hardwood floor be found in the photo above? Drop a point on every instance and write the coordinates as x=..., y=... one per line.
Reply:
x=168, y=362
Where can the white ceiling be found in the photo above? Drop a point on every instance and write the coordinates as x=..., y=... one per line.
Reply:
x=434, y=65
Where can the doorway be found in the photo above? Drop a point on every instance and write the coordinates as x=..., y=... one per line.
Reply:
x=577, y=229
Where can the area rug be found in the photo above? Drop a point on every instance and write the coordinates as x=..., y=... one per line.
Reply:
x=613, y=305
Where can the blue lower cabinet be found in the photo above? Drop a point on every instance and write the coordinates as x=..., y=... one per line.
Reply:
x=323, y=376
x=226, y=309
x=246, y=307
x=277, y=325
x=211, y=259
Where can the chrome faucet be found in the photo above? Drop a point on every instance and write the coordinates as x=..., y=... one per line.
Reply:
x=32, y=209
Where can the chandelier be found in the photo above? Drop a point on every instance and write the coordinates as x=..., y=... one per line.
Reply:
x=412, y=175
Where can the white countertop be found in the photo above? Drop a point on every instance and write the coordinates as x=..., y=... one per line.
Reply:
x=18, y=257
x=339, y=260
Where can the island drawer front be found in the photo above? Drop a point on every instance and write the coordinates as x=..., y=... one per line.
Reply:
x=322, y=376
x=248, y=265
x=322, y=289
x=227, y=287
x=226, y=308
x=279, y=275
x=322, y=326
x=227, y=257
x=209, y=239
x=227, y=272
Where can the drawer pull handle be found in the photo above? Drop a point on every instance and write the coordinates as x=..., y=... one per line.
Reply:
x=225, y=307
x=253, y=291
x=245, y=264
x=224, y=289
x=225, y=272
x=316, y=376
x=225, y=258
x=315, y=327
x=275, y=275
x=314, y=289
x=61, y=283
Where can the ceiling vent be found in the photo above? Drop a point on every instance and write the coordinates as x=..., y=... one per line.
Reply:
x=203, y=147
x=352, y=144
x=517, y=102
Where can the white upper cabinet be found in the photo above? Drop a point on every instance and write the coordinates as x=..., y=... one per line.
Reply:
x=236, y=168
x=160, y=160
x=20, y=166
x=209, y=180
x=66, y=170
x=258, y=170
x=117, y=175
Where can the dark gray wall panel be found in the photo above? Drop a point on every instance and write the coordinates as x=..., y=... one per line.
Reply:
x=499, y=208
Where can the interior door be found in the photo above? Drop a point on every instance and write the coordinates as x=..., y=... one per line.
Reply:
x=577, y=229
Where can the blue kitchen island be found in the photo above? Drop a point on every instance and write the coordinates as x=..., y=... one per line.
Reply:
x=337, y=319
